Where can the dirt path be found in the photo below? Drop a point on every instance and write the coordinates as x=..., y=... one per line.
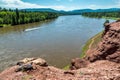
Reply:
x=93, y=39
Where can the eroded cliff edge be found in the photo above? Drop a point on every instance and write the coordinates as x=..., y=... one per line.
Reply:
x=101, y=63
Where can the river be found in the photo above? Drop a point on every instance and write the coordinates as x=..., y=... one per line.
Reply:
x=57, y=41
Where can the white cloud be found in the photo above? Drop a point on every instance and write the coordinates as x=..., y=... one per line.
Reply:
x=115, y=5
x=20, y=4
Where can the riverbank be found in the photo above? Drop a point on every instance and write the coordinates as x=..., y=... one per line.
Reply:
x=106, y=15
x=90, y=44
x=9, y=25
x=113, y=18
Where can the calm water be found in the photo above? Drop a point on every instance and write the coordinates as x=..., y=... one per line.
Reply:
x=57, y=41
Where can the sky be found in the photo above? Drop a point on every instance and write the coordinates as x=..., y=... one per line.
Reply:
x=61, y=4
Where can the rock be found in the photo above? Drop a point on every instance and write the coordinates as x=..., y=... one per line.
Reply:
x=40, y=62
x=106, y=24
x=78, y=63
x=109, y=47
x=26, y=60
x=36, y=61
x=69, y=72
x=24, y=67
x=99, y=70
x=20, y=63
x=28, y=63
x=118, y=20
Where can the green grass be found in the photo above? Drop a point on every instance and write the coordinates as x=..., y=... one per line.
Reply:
x=97, y=39
x=110, y=18
x=66, y=67
x=4, y=25
x=85, y=48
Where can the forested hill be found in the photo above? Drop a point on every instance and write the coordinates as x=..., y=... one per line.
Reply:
x=40, y=10
x=72, y=12
x=112, y=15
x=15, y=17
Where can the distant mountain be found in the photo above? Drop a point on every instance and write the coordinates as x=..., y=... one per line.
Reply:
x=97, y=10
x=71, y=12
x=108, y=10
x=91, y=10
x=40, y=10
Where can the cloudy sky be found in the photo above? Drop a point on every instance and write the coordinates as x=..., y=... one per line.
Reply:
x=61, y=4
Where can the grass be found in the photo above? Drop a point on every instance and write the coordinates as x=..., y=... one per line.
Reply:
x=85, y=48
x=4, y=25
x=91, y=43
x=97, y=39
x=111, y=18
x=66, y=67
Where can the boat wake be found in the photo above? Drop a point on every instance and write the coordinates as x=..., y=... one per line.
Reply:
x=31, y=29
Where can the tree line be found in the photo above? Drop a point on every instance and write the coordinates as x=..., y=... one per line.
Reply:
x=15, y=17
x=102, y=14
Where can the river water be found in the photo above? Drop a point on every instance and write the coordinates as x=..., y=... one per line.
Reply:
x=57, y=41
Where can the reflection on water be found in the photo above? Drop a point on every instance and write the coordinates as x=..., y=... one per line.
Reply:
x=57, y=41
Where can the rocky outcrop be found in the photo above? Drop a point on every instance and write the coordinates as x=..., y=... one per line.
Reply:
x=36, y=61
x=93, y=71
x=78, y=63
x=109, y=47
x=101, y=63
x=27, y=64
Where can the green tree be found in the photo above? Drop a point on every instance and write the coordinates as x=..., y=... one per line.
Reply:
x=17, y=16
x=107, y=21
x=13, y=20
